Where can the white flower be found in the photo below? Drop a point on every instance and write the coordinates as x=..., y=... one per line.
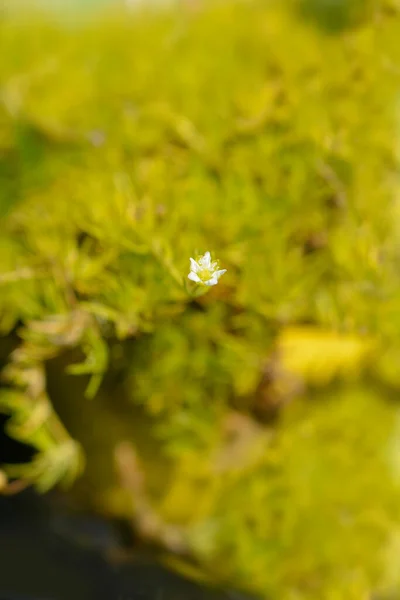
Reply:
x=205, y=272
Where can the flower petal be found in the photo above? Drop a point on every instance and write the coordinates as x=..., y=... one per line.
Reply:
x=195, y=267
x=212, y=281
x=194, y=277
x=206, y=261
x=219, y=273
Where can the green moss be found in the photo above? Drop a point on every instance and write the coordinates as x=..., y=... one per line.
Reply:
x=130, y=144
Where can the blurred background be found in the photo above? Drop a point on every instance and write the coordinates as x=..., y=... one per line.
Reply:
x=162, y=440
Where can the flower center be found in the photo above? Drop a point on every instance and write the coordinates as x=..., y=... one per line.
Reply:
x=205, y=274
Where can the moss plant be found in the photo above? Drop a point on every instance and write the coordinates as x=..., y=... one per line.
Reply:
x=252, y=431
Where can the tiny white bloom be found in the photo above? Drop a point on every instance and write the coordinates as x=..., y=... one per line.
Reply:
x=205, y=272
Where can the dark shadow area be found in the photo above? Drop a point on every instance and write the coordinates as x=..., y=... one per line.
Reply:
x=47, y=554
x=11, y=451
x=334, y=16
x=37, y=564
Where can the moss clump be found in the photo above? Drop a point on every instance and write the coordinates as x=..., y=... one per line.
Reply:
x=253, y=429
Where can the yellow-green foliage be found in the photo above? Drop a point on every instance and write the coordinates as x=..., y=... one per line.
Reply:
x=264, y=414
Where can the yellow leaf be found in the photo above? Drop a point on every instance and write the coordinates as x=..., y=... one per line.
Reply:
x=317, y=356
